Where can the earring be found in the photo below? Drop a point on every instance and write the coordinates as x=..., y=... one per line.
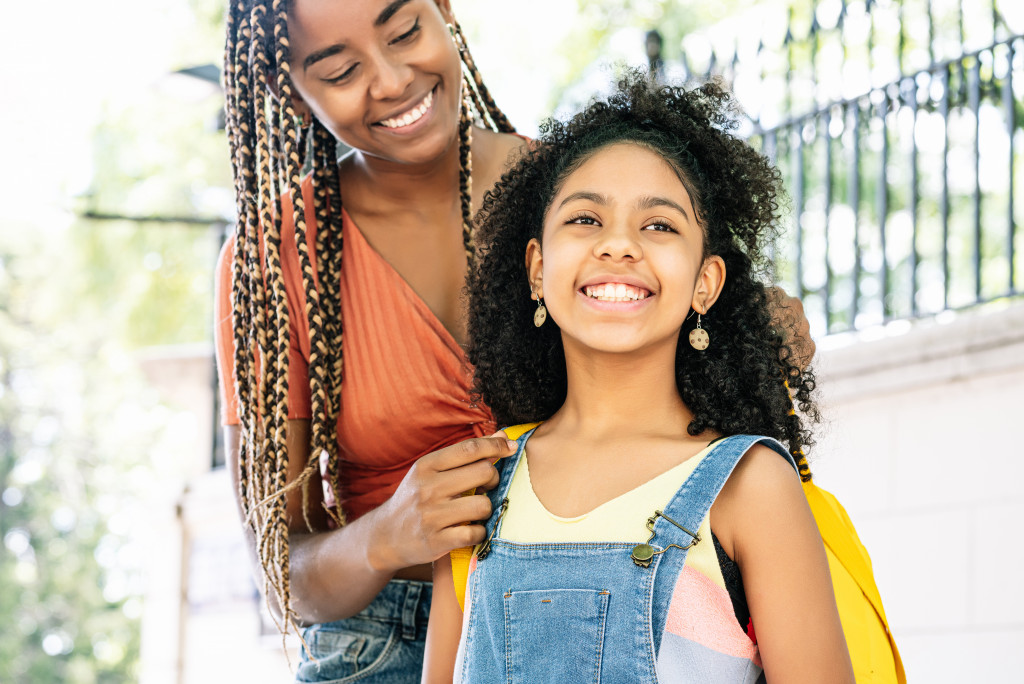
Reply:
x=699, y=338
x=541, y=314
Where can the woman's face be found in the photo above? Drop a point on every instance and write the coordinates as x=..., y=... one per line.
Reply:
x=622, y=257
x=384, y=76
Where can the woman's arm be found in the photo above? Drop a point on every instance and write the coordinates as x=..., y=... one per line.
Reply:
x=444, y=627
x=765, y=525
x=336, y=573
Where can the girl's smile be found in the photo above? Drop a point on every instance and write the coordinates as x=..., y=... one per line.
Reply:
x=622, y=261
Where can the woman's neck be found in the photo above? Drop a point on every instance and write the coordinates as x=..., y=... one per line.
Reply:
x=379, y=186
x=610, y=393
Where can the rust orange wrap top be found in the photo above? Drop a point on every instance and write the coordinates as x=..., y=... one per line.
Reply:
x=406, y=382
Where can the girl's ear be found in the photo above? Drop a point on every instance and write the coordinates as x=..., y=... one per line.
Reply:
x=710, y=281
x=535, y=268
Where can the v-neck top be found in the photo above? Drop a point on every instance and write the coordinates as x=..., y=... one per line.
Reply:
x=406, y=382
x=621, y=519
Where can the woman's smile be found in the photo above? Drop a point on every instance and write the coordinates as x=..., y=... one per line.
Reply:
x=402, y=121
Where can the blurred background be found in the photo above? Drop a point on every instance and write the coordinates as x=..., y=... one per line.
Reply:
x=898, y=126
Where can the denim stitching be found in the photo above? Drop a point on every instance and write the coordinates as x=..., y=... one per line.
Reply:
x=508, y=640
x=372, y=667
x=600, y=634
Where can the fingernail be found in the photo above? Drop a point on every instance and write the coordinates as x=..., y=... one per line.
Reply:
x=512, y=444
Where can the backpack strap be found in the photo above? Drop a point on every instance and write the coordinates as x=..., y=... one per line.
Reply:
x=461, y=557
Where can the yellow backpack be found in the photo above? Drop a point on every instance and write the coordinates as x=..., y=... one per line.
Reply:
x=873, y=651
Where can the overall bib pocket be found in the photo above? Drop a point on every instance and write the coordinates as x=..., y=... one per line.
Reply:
x=536, y=623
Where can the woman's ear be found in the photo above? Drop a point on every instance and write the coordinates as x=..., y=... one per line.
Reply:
x=445, y=6
x=302, y=111
x=710, y=281
x=535, y=268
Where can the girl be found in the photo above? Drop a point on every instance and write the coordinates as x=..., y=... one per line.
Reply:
x=653, y=527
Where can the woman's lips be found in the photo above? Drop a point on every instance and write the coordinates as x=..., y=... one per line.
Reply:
x=408, y=121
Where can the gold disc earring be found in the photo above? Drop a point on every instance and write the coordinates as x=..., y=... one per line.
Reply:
x=541, y=314
x=699, y=338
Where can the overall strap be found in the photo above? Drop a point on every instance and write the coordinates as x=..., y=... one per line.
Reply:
x=506, y=470
x=688, y=508
x=693, y=500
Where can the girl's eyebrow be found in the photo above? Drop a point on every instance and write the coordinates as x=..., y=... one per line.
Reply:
x=642, y=204
x=597, y=198
x=649, y=202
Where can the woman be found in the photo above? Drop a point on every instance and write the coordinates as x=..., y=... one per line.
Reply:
x=349, y=459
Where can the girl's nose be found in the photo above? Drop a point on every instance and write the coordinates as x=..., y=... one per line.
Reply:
x=391, y=79
x=618, y=244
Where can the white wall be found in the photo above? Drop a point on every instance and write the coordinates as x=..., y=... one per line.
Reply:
x=921, y=443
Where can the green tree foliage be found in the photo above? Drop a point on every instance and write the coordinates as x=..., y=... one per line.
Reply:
x=85, y=446
x=68, y=602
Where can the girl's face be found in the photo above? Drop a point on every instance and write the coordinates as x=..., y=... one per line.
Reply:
x=383, y=76
x=621, y=259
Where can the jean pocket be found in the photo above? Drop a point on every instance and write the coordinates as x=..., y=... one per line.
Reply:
x=555, y=635
x=346, y=650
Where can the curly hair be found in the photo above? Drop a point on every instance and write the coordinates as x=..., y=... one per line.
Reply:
x=743, y=382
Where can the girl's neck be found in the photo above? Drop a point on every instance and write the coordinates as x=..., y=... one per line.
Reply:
x=610, y=393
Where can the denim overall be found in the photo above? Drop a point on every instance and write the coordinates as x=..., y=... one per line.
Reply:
x=585, y=611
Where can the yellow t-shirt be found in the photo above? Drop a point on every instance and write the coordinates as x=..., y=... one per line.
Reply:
x=623, y=519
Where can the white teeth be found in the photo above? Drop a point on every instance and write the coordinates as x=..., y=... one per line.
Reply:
x=415, y=114
x=615, y=292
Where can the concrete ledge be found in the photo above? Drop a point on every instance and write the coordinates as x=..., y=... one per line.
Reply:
x=904, y=355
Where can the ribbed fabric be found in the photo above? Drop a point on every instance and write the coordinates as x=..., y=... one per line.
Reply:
x=406, y=382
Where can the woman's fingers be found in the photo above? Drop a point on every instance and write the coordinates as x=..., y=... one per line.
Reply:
x=469, y=451
x=433, y=510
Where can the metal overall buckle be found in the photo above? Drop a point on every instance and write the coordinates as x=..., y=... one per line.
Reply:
x=643, y=554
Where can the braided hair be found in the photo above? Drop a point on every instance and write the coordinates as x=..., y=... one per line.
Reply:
x=269, y=148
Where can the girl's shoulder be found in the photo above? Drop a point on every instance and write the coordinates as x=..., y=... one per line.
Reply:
x=762, y=475
x=764, y=489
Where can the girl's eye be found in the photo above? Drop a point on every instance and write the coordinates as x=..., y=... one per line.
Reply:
x=582, y=219
x=660, y=227
x=334, y=80
x=408, y=34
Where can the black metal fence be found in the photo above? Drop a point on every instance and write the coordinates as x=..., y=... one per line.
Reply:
x=899, y=128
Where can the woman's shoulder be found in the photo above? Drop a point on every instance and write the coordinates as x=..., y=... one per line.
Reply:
x=500, y=150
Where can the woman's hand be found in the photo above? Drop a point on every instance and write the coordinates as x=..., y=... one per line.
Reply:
x=433, y=511
x=789, y=319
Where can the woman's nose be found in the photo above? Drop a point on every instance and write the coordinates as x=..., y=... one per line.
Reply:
x=391, y=80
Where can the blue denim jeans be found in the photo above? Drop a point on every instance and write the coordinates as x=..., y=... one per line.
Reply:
x=383, y=644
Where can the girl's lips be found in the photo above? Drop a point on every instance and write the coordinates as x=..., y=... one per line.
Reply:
x=414, y=126
x=627, y=306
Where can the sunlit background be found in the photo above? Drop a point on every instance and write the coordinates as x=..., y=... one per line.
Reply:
x=898, y=129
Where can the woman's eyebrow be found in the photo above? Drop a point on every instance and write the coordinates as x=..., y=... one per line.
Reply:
x=389, y=11
x=648, y=202
x=332, y=50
